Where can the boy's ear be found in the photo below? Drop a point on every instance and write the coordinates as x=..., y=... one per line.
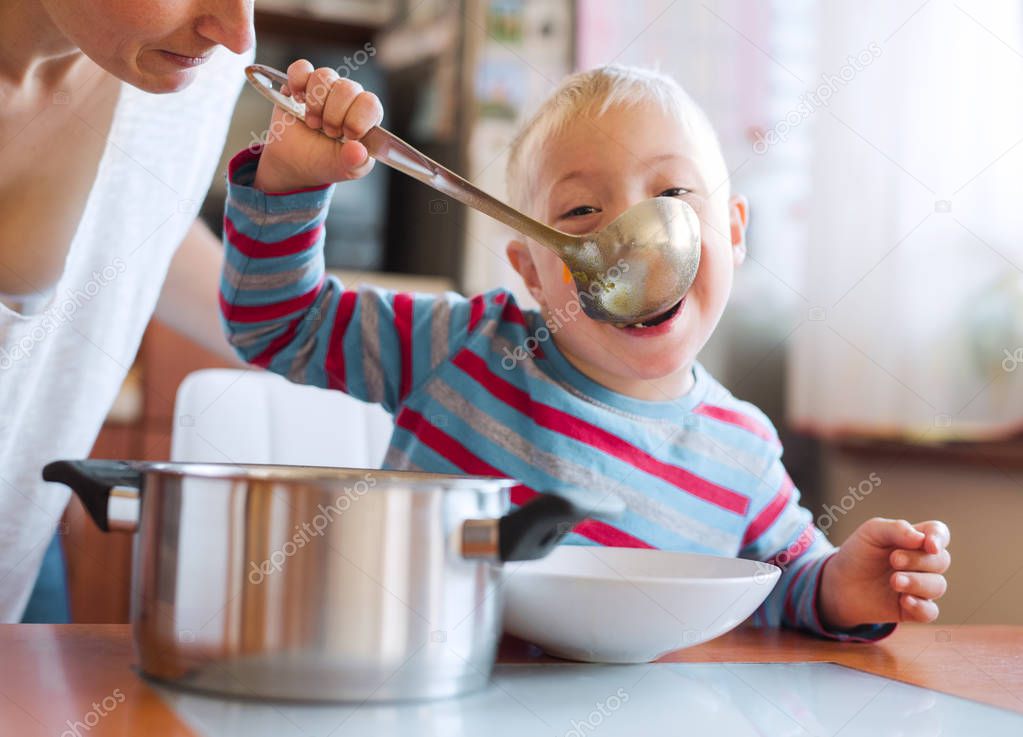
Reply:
x=522, y=261
x=738, y=217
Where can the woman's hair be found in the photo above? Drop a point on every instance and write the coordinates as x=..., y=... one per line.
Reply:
x=592, y=93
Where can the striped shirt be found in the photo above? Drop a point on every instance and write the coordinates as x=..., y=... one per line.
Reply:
x=476, y=386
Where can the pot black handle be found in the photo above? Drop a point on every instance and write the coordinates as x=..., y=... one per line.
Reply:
x=535, y=529
x=93, y=481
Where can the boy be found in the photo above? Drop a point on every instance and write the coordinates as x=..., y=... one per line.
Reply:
x=550, y=397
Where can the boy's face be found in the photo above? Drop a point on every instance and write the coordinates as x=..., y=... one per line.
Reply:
x=587, y=176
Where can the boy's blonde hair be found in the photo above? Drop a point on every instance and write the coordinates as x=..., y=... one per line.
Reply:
x=592, y=93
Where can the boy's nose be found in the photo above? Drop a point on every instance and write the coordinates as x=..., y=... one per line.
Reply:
x=622, y=201
x=228, y=23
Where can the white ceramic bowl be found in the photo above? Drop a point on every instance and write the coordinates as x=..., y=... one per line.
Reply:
x=625, y=605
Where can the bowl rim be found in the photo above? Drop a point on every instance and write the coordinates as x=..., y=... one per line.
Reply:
x=770, y=570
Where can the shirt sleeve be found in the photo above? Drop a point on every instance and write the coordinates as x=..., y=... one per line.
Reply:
x=782, y=533
x=280, y=310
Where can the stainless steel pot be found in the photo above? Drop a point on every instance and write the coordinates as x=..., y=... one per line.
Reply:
x=316, y=583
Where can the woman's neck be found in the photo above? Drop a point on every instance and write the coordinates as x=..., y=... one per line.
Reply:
x=32, y=49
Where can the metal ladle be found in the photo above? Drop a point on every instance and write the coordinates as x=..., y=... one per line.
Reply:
x=634, y=269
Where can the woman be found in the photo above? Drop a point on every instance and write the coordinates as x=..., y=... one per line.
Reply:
x=100, y=184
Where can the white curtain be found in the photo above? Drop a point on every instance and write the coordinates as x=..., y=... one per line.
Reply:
x=913, y=286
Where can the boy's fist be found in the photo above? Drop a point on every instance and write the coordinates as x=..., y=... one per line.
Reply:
x=300, y=156
x=887, y=571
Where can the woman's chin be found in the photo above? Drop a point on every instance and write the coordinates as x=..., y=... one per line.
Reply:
x=166, y=82
x=154, y=73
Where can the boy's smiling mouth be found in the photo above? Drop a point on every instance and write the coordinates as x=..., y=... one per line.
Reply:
x=657, y=325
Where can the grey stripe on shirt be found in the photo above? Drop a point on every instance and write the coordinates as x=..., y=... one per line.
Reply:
x=583, y=478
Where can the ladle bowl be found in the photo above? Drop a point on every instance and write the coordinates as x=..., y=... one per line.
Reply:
x=647, y=258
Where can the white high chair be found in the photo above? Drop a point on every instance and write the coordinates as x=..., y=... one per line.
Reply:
x=253, y=416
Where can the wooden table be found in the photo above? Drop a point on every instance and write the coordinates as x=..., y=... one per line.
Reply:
x=56, y=677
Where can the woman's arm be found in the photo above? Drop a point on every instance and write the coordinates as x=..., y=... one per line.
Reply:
x=188, y=302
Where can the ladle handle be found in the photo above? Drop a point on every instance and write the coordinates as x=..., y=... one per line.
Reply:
x=387, y=148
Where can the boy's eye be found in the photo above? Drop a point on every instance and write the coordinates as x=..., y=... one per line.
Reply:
x=674, y=192
x=578, y=212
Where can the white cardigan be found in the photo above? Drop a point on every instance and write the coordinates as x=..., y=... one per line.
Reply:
x=62, y=365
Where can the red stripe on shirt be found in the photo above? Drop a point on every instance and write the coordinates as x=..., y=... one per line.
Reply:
x=443, y=444
x=608, y=535
x=456, y=453
x=795, y=551
x=476, y=308
x=790, y=607
x=403, y=327
x=245, y=156
x=512, y=313
x=271, y=311
x=334, y=364
x=520, y=494
x=738, y=419
x=264, y=359
x=596, y=437
x=769, y=514
x=260, y=249
x=595, y=530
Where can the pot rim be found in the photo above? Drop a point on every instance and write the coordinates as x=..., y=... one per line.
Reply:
x=417, y=480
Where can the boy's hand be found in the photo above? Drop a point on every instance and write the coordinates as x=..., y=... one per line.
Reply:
x=887, y=571
x=297, y=155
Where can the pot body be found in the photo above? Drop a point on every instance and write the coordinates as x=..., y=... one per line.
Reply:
x=322, y=585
